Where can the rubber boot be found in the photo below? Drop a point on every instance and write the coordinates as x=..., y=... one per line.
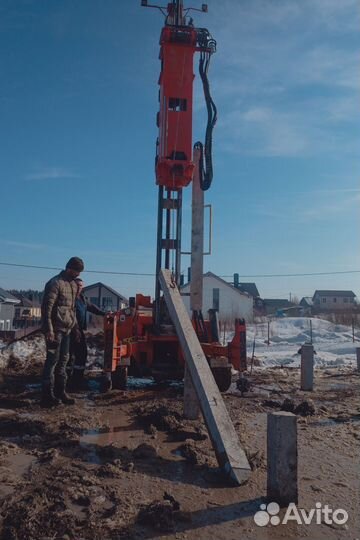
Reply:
x=67, y=400
x=61, y=394
x=48, y=398
x=77, y=381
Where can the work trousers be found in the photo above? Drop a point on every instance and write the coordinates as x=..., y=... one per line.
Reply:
x=57, y=357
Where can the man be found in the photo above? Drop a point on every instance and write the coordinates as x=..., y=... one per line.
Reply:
x=58, y=320
x=78, y=347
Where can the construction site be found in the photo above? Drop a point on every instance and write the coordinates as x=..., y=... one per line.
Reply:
x=185, y=421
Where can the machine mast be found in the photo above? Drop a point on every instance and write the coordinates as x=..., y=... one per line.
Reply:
x=174, y=164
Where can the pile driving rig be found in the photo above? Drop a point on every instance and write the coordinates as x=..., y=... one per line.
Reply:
x=141, y=340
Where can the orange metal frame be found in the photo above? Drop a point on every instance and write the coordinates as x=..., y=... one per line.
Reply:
x=129, y=339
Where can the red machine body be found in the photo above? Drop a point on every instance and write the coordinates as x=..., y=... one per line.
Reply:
x=131, y=345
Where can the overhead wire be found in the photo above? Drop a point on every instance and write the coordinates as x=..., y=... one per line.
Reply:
x=152, y=274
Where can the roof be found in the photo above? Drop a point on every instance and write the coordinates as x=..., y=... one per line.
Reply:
x=26, y=302
x=223, y=282
x=348, y=294
x=306, y=300
x=249, y=288
x=102, y=285
x=8, y=297
x=278, y=302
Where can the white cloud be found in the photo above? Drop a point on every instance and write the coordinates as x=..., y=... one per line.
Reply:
x=329, y=65
x=329, y=209
x=258, y=131
x=257, y=114
x=26, y=245
x=52, y=173
x=287, y=77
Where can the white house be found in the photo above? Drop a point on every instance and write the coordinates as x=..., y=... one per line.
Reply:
x=230, y=302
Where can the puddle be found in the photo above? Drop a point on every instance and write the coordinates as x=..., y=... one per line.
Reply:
x=33, y=386
x=326, y=422
x=119, y=432
x=116, y=431
x=339, y=386
x=20, y=463
x=16, y=466
x=93, y=385
x=335, y=421
x=136, y=382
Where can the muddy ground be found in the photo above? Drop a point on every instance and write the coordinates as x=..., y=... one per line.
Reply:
x=127, y=465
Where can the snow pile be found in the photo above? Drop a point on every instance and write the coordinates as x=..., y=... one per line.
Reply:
x=95, y=359
x=23, y=351
x=332, y=342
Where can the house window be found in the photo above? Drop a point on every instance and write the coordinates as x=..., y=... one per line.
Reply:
x=107, y=302
x=334, y=299
x=94, y=300
x=324, y=300
x=216, y=299
x=7, y=325
x=2, y=325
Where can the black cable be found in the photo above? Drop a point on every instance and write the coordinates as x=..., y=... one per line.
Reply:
x=205, y=163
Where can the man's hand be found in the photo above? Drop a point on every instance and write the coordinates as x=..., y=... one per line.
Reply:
x=76, y=334
x=50, y=336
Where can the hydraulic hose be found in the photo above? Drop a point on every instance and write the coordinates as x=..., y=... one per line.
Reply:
x=206, y=167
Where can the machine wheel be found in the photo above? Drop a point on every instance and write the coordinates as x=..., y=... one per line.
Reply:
x=105, y=385
x=119, y=378
x=222, y=376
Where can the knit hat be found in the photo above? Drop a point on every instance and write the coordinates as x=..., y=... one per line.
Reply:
x=75, y=263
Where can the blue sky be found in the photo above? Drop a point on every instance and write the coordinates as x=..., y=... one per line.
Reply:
x=78, y=101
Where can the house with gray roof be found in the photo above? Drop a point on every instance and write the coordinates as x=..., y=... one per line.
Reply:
x=105, y=297
x=306, y=302
x=252, y=290
x=7, y=310
x=333, y=300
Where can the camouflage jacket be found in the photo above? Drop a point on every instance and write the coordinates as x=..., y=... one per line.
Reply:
x=58, y=304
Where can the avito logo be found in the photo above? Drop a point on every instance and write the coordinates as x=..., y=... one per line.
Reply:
x=268, y=514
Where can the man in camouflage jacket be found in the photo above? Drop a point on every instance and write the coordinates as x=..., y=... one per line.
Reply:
x=58, y=320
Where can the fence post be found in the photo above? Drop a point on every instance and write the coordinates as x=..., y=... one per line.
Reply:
x=307, y=367
x=358, y=358
x=282, y=486
x=353, y=329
